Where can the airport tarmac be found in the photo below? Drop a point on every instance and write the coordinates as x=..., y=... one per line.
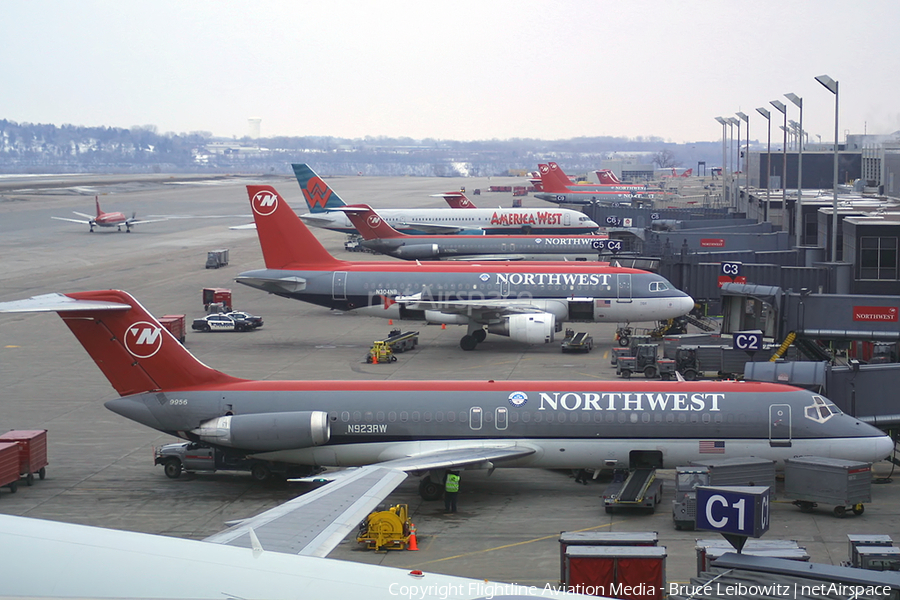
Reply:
x=101, y=468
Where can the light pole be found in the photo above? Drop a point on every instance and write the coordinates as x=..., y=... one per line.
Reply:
x=736, y=160
x=767, y=115
x=780, y=107
x=746, y=167
x=832, y=87
x=798, y=102
x=723, y=123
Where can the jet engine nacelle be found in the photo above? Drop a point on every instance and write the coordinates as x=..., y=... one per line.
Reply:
x=531, y=328
x=417, y=251
x=437, y=317
x=267, y=431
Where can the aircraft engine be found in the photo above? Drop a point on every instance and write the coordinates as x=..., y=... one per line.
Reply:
x=418, y=251
x=267, y=431
x=437, y=317
x=531, y=328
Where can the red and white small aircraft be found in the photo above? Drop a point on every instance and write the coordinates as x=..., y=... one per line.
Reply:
x=107, y=219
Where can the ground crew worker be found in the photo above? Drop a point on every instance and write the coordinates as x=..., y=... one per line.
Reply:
x=451, y=491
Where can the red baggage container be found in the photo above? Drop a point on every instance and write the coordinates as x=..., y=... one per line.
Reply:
x=175, y=325
x=32, y=452
x=9, y=465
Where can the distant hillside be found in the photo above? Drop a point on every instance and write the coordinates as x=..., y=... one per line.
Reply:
x=41, y=148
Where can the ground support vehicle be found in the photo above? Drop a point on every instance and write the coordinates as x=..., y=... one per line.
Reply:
x=399, y=341
x=577, y=342
x=175, y=324
x=723, y=362
x=380, y=352
x=217, y=258
x=616, y=353
x=645, y=360
x=388, y=529
x=749, y=471
x=9, y=465
x=246, y=320
x=32, y=452
x=190, y=457
x=220, y=296
x=638, y=488
x=844, y=484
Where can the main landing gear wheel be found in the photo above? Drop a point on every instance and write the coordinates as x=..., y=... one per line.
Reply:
x=468, y=342
x=480, y=335
x=260, y=472
x=430, y=490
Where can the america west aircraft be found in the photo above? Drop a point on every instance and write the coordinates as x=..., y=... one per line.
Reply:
x=323, y=203
x=557, y=189
x=377, y=235
x=394, y=428
x=526, y=301
x=105, y=219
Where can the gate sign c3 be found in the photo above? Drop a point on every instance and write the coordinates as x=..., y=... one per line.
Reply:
x=732, y=268
x=738, y=510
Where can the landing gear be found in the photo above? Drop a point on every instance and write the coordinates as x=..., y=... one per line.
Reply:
x=429, y=490
x=472, y=339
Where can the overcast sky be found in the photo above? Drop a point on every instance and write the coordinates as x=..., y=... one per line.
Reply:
x=460, y=69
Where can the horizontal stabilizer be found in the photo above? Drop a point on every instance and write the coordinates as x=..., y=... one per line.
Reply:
x=58, y=303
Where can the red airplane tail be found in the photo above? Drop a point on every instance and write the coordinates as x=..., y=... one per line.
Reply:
x=457, y=200
x=688, y=173
x=369, y=224
x=97, y=203
x=286, y=242
x=607, y=177
x=129, y=345
x=551, y=180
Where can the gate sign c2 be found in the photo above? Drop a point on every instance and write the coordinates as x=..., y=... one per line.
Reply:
x=748, y=340
x=736, y=510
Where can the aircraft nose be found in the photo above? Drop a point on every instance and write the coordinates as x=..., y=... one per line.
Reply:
x=884, y=446
x=135, y=409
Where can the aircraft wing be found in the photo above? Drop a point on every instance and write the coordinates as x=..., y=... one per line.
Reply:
x=72, y=220
x=91, y=217
x=314, y=523
x=140, y=221
x=481, y=310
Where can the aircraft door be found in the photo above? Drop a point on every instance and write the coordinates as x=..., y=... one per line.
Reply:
x=780, y=425
x=475, y=418
x=623, y=287
x=501, y=420
x=567, y=219
x=339, y=285
x=504, y=287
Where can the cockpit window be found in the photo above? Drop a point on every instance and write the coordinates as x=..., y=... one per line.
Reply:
x=658, y=286
x=821, y=409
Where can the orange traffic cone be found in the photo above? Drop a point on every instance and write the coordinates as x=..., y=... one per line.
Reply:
x=443, y=326
x=413, y=546
x=390, y=321
x=374, y=358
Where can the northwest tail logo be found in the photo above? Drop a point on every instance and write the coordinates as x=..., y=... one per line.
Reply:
x=373, y=221
x=143, y=339
x=264, y=203
x=317, y=193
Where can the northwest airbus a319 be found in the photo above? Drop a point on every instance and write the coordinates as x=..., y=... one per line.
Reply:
x=527, y=301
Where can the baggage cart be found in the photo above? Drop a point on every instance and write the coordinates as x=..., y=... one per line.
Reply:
x=639, y=568
x=32, y=446
x=856, y=540
x=601, y=538
x=844, y=484
x=9, y=465
x=217, y=258
x=175, y=325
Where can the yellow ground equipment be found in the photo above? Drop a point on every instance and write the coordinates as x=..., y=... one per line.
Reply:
x=386, y=529
x=380, y=352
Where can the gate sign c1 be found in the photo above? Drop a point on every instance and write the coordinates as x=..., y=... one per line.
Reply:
x=748, y=340
x=735, y=510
